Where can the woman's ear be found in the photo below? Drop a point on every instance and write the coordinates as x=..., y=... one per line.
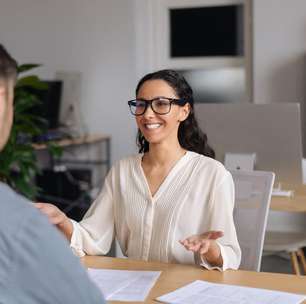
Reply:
x=185, y=110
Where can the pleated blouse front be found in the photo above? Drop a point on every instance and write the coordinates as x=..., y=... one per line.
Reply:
x=195, y=197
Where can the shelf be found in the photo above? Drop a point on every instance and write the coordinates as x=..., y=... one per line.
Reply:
x=87, y=139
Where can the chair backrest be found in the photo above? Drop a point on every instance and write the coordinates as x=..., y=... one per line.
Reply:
x=252, y=200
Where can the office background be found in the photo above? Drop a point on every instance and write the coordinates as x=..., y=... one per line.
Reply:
x=102, y=40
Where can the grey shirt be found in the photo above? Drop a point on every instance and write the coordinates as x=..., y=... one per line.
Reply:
x=36, y=263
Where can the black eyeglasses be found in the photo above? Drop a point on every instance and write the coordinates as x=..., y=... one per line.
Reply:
x=159, y=105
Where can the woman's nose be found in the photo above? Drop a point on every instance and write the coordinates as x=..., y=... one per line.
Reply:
x=149, y=112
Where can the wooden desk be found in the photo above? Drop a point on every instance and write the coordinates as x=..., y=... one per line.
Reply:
x=174, y=276
x=296, y=203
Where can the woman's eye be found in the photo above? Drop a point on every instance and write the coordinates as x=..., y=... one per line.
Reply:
x=140, y=104
x=162, y=103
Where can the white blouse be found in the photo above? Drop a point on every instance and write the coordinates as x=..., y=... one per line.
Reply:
x=195, y=197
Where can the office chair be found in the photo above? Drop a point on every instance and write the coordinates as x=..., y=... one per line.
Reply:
x=252, y=199
x=289, y=242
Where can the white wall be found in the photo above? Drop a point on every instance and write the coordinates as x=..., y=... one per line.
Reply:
x=95, y=37
x=279, y=50
x=279, y=53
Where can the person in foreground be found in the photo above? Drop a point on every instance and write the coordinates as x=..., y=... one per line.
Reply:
x=36, y=263
x=172, y=202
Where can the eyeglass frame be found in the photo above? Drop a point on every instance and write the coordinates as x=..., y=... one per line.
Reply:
x=180, y=102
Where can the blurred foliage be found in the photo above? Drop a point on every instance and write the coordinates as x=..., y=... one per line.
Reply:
x=18, y=160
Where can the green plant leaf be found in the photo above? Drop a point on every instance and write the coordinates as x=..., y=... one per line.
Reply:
x=26, y=67
x=18, y=163
x=31, y=81
x=55, y=150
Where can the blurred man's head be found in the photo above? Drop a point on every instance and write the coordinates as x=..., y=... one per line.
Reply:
x=8, y=73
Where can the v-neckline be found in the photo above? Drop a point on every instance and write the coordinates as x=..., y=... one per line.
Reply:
x=165, y=181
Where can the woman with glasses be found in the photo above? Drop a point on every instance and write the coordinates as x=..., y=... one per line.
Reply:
x=172, y=202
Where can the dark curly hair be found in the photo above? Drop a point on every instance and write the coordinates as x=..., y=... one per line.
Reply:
x=190, y=135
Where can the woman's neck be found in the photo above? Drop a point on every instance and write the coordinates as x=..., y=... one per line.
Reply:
x=162, y=155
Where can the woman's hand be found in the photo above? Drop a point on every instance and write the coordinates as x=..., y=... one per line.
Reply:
x=57, y=218
x=205, y=245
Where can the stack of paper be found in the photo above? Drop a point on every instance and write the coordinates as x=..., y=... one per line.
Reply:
x=124, y=285
x=200, y=292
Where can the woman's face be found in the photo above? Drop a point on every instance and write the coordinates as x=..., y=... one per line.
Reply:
x=158, y=128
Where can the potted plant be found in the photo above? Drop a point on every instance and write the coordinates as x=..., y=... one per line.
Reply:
x=18, y=160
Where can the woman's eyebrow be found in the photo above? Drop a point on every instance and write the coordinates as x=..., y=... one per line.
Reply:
x=157, y=97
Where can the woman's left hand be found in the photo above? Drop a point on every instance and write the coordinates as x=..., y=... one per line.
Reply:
x=205, y=245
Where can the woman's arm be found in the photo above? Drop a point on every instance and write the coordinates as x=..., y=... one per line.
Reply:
x=213, y=248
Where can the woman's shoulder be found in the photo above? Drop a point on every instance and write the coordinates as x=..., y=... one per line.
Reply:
x=124, y=167
x=203, y=160
x=130, y=161
x=207, y=169
x=207, y=165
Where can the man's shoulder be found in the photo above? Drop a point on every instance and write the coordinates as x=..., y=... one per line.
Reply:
x=14, y=208
x=32, y=248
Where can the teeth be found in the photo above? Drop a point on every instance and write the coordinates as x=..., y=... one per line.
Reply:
x=153, y=126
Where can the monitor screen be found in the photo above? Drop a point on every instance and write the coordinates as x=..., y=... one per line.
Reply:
x=49, y=105
x=217, y=85
x=271, y=131
x=206, y=31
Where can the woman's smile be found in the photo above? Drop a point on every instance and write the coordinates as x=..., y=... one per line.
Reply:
x=152, y=126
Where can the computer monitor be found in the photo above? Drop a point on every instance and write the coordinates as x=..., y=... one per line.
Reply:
x=206, y=31
x=50, y=101
x=272, y=131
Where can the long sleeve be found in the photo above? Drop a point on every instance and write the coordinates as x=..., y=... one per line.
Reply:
x=220, y=217
x=95, y=233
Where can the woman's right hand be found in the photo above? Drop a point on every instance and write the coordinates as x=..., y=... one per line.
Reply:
x=57, y=218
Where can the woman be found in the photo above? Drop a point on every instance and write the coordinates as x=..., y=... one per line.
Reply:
x=173, y=202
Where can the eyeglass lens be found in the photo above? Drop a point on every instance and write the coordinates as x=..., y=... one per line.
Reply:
x=159, y=106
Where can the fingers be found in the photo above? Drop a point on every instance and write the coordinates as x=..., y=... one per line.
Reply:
x=201, y=245
x=205, y=247
x=213, y=235
x=55, y=216
x=210, y=235
x=201, y=242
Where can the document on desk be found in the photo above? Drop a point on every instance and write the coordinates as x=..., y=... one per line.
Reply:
x=124, y=285
x=199, y=292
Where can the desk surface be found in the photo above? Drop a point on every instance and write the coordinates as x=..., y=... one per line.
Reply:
x=174, y=276
x=296, y=203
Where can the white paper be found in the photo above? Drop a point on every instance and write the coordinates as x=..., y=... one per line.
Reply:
x=199, y=292
x=284, y=193
x=124, y=285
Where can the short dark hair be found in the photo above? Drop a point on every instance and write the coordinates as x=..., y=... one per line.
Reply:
x=8, y=65
x=190, y=135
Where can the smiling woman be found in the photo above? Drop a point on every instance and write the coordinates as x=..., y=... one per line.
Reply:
x=173, y=202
